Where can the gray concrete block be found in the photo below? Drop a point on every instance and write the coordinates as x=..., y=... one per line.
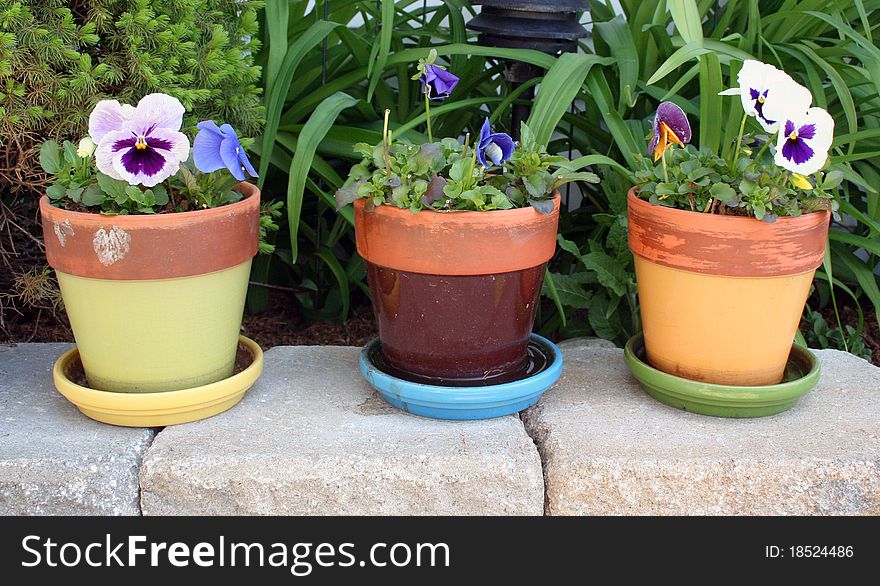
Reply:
x=312, y=437
x=610, y=449
x=53, y=459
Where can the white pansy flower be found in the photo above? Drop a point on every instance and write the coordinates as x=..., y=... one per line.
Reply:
x=804, y=141
x=769, y=94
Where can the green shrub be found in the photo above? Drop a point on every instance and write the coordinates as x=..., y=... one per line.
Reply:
x=57, y=59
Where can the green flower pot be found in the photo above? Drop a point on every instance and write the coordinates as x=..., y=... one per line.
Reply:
x=801, y=375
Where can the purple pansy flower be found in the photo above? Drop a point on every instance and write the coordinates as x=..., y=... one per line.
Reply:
x=438, y=81
x=218, y=147
x=493, y=148
x=804, y=142
x=142, y=145
x=670, y=125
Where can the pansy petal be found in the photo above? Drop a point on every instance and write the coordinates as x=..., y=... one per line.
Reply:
x=752, y=77
x=146, y=168
x=783, y=97
x=157, y=111
x=505, y=143
x=246, y=163
x=177, y=141
x=206, y=149
x=104, y=152
x=229, y=150
x=675, y=119
x=108, y=115
x=209, y=126
x=485, y=131
x=228, y=131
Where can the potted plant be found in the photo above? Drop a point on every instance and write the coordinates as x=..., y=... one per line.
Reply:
x=726, y=248
x=152, y=254
x=456, y=236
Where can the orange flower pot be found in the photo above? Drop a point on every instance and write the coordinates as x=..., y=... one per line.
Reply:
x=721, y=296
x=155, y=301
x=455, y=293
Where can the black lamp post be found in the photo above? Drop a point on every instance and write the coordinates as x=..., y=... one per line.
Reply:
x=551, y=26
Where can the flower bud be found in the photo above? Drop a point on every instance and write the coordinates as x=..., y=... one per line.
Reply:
x=86, y=147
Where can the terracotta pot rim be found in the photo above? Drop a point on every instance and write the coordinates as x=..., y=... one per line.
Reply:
x=726, y=245
x=490, y=216
x=159, y=218
x=152, y=246
x=456, y=243
x=633, y=196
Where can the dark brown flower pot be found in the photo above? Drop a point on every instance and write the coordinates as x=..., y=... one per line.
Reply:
x=455, y=293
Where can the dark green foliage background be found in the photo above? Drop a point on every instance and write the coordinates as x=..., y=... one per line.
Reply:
x=680, y=50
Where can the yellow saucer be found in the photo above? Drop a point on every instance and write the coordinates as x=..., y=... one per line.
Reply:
x=162, y=408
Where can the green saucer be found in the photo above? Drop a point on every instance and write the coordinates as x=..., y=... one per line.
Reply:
x=801, y=375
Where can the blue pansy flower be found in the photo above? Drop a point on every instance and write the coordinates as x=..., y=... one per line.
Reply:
x=493, y=148
x=217, y=147
x=438, y=81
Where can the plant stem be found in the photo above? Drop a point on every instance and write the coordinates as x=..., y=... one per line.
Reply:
x=663, y=158
x=739, y=139
x=764, y=147
x=470, y=176
x=386, y=144
x=428, y=114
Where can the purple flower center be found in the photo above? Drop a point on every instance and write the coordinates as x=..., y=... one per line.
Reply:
x=142, y=154
x=759, y=99
x=796, y=148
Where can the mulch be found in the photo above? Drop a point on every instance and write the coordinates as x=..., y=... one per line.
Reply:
x=282, y=325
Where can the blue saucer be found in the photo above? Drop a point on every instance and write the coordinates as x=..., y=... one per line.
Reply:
x=464, y=403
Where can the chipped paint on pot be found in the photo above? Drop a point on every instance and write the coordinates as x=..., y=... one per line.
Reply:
x=721, y=297
x=155, y=301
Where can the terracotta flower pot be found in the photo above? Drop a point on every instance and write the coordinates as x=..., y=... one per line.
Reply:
x=721, y=296
x=155, y=301
x=455, y=293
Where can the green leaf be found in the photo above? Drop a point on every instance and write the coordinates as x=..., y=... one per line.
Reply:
x=681, y=56
x=570, y=292
x=377, y=68
x=557, y=91
x=723, y=192
x=277, y=18
x=160, y=195
x=551, y=292
x=276, y=97
x=687, y=20
x=93, y=196
x=568, y=246
x=711, y=105
x=56, y=191
x=616, y=34
x=604, y=326
x=70, y=155
x=313, y=132
x=535, y=184
x=74, y=194
x=112, y=187
x=50, y=157
x=599, y=160
x=608, y=271
x=341, y=277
